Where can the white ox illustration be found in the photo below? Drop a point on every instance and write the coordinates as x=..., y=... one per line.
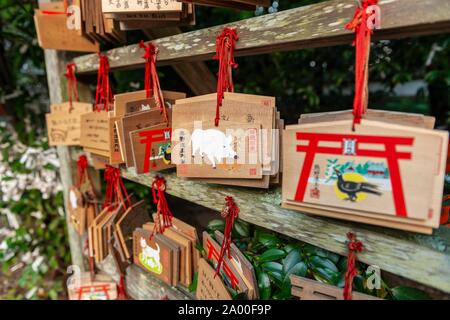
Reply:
x=148, y=252
x=214, y=144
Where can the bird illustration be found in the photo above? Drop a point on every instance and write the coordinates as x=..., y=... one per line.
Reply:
x=351, y=188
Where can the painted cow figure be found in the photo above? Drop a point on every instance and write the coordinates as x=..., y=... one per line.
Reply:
x=214, y=144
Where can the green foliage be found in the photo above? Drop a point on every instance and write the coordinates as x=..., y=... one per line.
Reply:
x=33, y=245
x=407, y=293
x=276, y=258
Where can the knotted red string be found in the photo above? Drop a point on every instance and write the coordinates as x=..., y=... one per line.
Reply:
x=50, y=12
x=445, y=214
x=354, y=246
x=115, y=189
x=103, y=94
x=151, y=80
x=71, y=84
x=121, y=291
x=163, y=213
x=230, y=214
x=82, y=174
x=359, y=25
x=225, y=46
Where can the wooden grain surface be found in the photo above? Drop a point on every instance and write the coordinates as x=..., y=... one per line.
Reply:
x=56, y=64
x=141, y=285
x=316, y=25
x=425, y=259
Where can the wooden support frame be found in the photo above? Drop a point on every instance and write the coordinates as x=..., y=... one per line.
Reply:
x=425, y=259
x=316, y=25
x=195, y=74
x=56, y=64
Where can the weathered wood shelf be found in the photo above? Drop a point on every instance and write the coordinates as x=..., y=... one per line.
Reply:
x=425, y=259
x=141, y=285
x=316, y=25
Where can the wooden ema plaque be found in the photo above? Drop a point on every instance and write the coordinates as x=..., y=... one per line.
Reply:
x=134, y=217
x=130, y=6
x=243, y=266
x=64, y=127
x=210, y=287
x=186, y=252
x=228, y=151
x=152, y=148
x=137, y=121
x=102, y=288
x=157, y=255
x=307, y=289
x=130, y=102
x=238, y=111
x=228, y=272
x=99, y=135
x=58, y=31
x=330, y=168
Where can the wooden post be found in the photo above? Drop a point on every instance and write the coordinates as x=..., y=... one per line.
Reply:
x=55, y=65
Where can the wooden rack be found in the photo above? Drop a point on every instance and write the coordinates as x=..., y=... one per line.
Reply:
x=425, y=259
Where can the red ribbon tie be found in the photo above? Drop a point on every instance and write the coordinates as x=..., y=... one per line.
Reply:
x=225, y=46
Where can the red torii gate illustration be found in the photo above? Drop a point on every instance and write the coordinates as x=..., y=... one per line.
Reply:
x=389, y=153
x=149, y=137
x=213, y=253
x=101, y=288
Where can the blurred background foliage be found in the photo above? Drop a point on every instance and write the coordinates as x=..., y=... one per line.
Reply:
x=409, y=75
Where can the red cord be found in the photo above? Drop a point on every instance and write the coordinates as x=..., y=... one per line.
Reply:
x=163, y=213
x=230, y=213
x=121, y=291
x=82, y=165
x=151, y=80
x=225, y=46
x=362, y=46
x=354, y=246
x=72, y=90
x=115, y=189
x=103, y=94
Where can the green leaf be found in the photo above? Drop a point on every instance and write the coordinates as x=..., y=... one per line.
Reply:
x=240, y=296
x=326, y=275
x=268, y=240
x=291, y=246
x=264, y=286
x=271, y=255
x=407, y=293
x=319, y=262
x=193, y=285
x=299, y=269
x=277, y=278
x=198, y=246
x=241, y=230
x=291, y=260
x=282, y=295
x=272, y=267
x=340, y=281
x=216, y=224
x=316, y=251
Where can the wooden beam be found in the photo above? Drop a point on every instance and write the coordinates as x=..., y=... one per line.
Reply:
x=317, y=25
x=195, y=74
x=424, y=259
